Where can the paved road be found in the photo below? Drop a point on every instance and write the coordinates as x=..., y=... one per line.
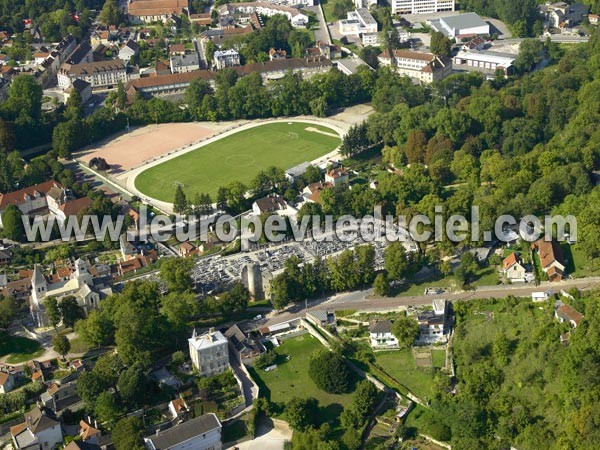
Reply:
x=366, y=300
x=321, y=33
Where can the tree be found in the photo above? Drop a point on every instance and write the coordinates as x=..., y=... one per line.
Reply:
x=12, y=223
x=265, y=360
x=395, y=261
x=406, y=330
x=53, y=312
x=530, y=54
x=70, y=311
x=179, y=308
x=109, y=14
x=381, y=285
x=445, y=267
x=61, y=345
x=107, y=408
x=127, y=434
x=440, y=45
x=416, y=143
x=121, y=96
x=74, y=106
x=24, y=98
x=8, y=310
x=180, y=204
x=8, y=139
x=133, y=385
x=177, y=273
x=329, y=372
x=301, y=413
x=97, y=330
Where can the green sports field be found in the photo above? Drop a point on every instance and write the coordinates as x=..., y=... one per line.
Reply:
x=238, y=157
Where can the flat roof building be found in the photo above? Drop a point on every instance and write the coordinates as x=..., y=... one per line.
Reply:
x=461, y=25
x=421, y=6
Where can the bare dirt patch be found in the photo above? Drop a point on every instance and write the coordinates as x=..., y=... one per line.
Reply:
x=146, y=143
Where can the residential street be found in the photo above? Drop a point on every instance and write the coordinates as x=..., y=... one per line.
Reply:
x=364, y=299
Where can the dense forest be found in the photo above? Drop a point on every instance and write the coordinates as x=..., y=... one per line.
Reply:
x=518, y=385
x=55, y=18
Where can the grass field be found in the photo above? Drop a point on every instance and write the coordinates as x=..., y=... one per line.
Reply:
x=401, y=366
x=291, y=378
x=18, y=348
x=238, y=157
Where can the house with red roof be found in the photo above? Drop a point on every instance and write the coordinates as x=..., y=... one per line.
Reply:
x=551, y=258
x=30, y=200
x=513, y=268
x=567, y=314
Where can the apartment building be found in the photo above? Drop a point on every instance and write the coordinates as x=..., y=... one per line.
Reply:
x=421, y=6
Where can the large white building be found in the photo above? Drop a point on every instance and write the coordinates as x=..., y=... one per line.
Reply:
x=201, y=433
x=296, y=18
x=424, y=67
x=156, y=10
x=209, y=352
x=226, y=58
x=461, y=25
x=421, y=6
x=98, y=74
x=358, y=22
x=484, y=62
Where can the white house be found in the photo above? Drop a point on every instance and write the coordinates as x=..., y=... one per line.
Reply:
x=433, y=324
x=567, y=314
x=541, y=296
x=201, y=433
x=7, y=382
x=421, y=6
x=380, y=335
x=178, y=408
x=30, y=200
x=40, y=430
x=129, y=50
x=513, y=269
x=337, y=177
x=184, y=63
x=269, y=204
x=209, y=352
x=226, y=58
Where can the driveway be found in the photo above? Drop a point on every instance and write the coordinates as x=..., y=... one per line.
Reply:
x=271, y=436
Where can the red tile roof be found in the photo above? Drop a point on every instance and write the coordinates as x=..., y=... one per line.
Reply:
x=18, y=197
x=510, y=260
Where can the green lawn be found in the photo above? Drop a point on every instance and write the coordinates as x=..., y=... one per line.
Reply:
x=439, y=358
x=18, y=348
x=401, y=366
x=578, y=264
x=238, y=157
x=291, y=378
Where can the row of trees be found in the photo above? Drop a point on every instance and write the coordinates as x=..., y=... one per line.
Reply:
x=348, y=271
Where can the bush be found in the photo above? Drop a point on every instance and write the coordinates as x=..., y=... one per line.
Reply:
x=266, y=359
x=329, y=372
